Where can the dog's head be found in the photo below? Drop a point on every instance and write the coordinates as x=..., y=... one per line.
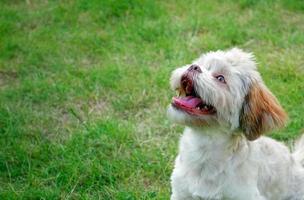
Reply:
x=224, y=89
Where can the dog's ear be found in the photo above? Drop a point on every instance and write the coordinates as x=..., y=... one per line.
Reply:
x=261, y=112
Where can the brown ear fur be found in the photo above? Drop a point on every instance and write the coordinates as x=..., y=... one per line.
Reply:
x=261, y=112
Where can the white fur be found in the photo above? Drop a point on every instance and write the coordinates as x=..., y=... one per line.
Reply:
x=215, y=160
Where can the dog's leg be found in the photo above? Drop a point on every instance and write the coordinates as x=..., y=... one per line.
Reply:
x=179, y=190
x=174, y=196
x=249, y=194
x=179, y=187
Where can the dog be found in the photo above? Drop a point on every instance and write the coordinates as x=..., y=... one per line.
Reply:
x=223, y=154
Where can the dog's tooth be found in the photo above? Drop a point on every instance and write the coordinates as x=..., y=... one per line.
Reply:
x=181, y=92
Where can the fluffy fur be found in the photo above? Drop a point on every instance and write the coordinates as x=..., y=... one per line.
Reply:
x=224, y=155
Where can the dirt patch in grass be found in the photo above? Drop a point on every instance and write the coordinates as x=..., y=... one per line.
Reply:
x=7, y=78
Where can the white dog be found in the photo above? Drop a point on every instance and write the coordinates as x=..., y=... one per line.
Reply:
x=226, y=107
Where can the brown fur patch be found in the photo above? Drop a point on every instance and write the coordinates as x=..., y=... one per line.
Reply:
x=261, y=112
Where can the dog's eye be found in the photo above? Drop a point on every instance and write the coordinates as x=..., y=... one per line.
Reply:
x=221, y=78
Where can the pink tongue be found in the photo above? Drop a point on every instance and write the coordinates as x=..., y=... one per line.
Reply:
x=189, y=101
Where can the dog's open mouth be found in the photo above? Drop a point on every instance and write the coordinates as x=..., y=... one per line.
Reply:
x=189, y=101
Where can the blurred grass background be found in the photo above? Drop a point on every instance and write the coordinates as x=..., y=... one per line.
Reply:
x=84, y=87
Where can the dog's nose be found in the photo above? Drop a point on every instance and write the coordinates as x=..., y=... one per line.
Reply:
x=195, y=68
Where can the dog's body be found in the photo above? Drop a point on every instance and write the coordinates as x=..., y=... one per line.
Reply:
x=217, y=166
x=226, y=107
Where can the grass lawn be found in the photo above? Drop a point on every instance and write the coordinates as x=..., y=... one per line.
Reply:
x=84, y=87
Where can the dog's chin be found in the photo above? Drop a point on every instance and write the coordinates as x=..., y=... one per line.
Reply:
x=183, y=117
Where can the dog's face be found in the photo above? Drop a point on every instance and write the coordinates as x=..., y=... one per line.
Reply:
x=223, y=89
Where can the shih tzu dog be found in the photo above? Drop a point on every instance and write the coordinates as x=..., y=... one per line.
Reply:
x=226, y=108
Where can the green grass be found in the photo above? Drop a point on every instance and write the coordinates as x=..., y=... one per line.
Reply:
x=84, y=87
